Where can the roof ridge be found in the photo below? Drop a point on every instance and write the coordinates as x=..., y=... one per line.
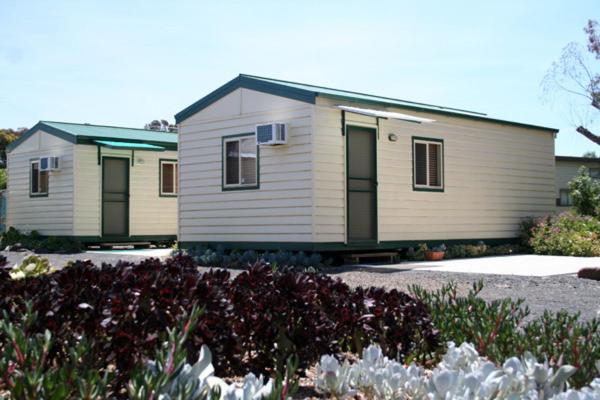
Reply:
x=367, y=94
x=106, y=126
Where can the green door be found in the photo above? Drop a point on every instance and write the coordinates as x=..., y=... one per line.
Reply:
x=115, y=196
x=361, y=184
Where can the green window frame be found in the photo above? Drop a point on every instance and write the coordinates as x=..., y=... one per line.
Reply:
x=168, y=182
x=39, y=181
x=428, y=164
x=240, y=162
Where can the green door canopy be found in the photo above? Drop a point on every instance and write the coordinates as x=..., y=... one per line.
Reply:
x=128, y=145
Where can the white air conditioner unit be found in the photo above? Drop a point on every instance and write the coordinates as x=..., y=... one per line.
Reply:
x=271, y=134
x=49, y=164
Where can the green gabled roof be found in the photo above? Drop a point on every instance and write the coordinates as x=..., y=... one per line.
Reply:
x=308, y=93
x=89, y=134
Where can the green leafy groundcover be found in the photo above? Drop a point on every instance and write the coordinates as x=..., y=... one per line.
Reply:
x=499, y=331
x=253, y=322
x=37, y=243
x=566, y=234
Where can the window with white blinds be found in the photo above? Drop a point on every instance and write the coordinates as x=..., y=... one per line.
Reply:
x=240, y=162
x=428, y=164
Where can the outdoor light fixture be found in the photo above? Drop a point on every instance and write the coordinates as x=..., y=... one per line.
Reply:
x=392, y=137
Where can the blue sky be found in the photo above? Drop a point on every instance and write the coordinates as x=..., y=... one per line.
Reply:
x=128, y=62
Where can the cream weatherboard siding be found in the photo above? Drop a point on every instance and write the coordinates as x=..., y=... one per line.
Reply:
x=494, y=176
x=281, y=209
x=149, y=214
x=51, y=215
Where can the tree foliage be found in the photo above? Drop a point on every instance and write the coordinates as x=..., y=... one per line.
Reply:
x=585, y=192
x=161, y=125
x=8, y=136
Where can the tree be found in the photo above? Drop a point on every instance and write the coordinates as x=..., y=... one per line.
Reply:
x=8, y=136
x=577, y=75
x=161, y=125
x=590, y=154
x=585, y=192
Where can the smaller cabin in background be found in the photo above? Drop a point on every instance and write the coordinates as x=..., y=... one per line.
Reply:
x=566, y=169
x=96, y=184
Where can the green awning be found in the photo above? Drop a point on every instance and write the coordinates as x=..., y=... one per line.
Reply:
x=128, y=145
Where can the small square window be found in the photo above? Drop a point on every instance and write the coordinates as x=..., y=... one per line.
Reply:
x=428, y=164
x=38, y=180
x=169, y=177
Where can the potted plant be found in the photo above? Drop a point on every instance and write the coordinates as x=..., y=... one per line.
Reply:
x=436, y=253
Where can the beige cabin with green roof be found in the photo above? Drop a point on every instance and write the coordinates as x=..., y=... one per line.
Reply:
x=97, y=184
x=272, y=164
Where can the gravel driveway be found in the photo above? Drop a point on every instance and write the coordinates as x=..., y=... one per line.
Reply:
x=558, y=292
x=555, y=293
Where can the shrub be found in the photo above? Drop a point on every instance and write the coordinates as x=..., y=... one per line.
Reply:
x=589, y=273
x=35, y=242
x=498, y=331
x=585, y=192
x=28, y=372
x=566, y=234
x=254, y=322
x=280, y=260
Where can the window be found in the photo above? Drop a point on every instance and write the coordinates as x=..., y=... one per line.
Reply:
x=38, y=180
x=428, y=164
x=169, y=174
x=595, y=173
x=240, y=158
x=564, y=199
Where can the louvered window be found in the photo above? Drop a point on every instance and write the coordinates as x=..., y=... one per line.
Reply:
x=240, y=157
x=428, y=164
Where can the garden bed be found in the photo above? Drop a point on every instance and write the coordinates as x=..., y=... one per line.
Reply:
x=104, y=323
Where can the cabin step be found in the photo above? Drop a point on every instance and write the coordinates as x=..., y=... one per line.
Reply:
x=136, y=245
x=355, y=258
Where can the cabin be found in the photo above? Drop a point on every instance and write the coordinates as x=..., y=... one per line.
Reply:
x=567, y=168
x=267, y=164
x=93, y=183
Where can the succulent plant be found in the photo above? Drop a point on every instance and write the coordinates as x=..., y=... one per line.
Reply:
x=462, y=374
x=31, y=266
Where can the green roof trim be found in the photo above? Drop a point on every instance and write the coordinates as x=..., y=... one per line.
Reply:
x=308, y=94
x=129, y=145
x=578, y=159
x=90, y=134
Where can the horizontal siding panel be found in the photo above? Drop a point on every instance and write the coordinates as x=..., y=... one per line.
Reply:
x=495, y=175
x=280, y=210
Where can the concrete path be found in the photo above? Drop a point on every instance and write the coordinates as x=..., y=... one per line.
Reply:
x=520, y=265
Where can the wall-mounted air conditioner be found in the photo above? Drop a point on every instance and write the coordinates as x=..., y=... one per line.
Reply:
x=271, y=134
x=49, y=164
